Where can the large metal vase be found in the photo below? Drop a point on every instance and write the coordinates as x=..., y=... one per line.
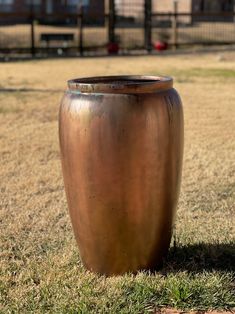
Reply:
x=121, y=142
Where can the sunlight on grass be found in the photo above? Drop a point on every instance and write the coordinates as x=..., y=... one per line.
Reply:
x=40, y=268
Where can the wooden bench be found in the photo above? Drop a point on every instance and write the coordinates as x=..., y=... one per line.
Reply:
x=57, y=37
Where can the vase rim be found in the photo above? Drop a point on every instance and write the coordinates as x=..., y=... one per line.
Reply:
x=125, y=84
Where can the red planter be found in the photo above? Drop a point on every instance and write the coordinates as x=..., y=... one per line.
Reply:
x=160, y=45
x=113, y=48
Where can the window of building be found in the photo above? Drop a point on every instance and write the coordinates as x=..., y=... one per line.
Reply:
x=35, y=5
x=227, y=6
x=6, y=1
x=212, y=5
x=78, y=2
x=6, y=5
x=33, y=2
x=198, y=5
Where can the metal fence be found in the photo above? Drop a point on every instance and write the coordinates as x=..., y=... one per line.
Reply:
x=127, y=26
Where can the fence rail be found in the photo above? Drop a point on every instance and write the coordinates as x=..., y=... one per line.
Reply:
x=26, y=32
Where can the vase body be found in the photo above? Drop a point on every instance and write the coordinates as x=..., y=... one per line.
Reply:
x=121, y=141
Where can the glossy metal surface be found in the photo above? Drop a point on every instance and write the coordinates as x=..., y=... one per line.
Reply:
x=121, y=144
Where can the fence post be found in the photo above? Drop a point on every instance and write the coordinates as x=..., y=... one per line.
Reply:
x=106, y=19
x=32, y=24
x=80, y=27
x=111, y=31
x=148, y=25
x=174, y=24
x=234, y=11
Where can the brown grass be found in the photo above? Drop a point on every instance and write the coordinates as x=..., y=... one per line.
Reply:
x=40, y=268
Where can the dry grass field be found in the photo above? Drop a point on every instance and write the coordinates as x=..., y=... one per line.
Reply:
x=40, y=269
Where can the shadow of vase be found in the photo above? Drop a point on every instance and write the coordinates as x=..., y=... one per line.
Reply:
x=201, y=257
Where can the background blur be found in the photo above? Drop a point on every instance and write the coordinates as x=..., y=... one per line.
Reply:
x=89, y=27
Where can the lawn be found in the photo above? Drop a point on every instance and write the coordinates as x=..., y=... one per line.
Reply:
x=40, y=267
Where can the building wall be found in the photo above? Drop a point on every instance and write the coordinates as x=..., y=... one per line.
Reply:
x=135, y=8
x=184, y=6
x=157, y=5
x=126, y=7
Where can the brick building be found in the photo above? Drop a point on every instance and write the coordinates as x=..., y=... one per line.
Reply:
x=50, y=6
x=93, y=9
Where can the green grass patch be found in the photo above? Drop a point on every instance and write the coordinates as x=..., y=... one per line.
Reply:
x=190, y=280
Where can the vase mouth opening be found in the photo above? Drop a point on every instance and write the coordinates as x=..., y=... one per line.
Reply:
x=127, y=84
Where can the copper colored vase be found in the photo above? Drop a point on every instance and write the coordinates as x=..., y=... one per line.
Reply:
x=121, y=142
